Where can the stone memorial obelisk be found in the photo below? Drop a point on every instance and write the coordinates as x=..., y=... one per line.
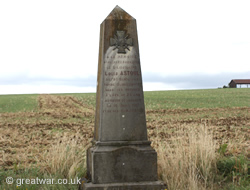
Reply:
x=121, y=157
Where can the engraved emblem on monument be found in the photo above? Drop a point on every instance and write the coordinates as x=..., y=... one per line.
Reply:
x=121, y=42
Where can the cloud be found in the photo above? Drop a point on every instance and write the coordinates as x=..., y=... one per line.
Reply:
x=23, y=83
x=89, y=81
x=41, y=89
x=193, y=80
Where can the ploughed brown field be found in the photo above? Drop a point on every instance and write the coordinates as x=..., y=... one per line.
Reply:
x=26, y=136
x=41, y=139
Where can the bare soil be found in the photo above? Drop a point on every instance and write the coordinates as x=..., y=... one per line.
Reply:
x=26, y=136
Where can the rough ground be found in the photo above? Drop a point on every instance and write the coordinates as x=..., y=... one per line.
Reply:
x=26, y=136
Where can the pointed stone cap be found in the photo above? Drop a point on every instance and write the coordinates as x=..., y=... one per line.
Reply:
x=119, y=14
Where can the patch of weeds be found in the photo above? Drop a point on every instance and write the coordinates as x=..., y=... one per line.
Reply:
x=56, y=130
x=236, y=187
x=235, y=169
x=222, y=150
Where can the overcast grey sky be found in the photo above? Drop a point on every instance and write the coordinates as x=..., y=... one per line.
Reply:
x=51, y=46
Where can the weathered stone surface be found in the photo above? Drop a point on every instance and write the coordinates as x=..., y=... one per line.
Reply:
x=112, y=164
x=120, y=112
x=125, y=186
x=121, y=157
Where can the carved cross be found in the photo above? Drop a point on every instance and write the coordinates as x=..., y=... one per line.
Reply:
x=121, y=42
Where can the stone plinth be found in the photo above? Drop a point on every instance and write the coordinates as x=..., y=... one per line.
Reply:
x=126, y=186
x=113, y=164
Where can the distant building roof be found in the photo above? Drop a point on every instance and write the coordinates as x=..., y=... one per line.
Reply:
x=241, y=81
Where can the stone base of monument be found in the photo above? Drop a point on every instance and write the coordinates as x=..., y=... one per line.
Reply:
x=156, y=185
x=122, y=166
x=115, y=164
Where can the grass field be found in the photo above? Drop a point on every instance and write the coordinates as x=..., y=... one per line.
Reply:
x=201, y=136
x=210, y=98
x=17, y=103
